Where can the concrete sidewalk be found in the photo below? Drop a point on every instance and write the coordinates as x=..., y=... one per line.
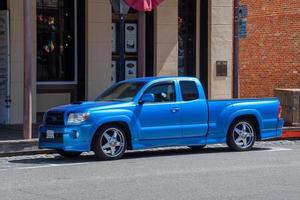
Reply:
x=21, y=147
x=18, y=146
x=12, y=143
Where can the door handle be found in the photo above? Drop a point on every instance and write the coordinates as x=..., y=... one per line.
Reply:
x=175, y=109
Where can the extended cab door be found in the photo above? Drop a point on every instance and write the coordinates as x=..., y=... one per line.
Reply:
x=160, y=119
x=194, y=111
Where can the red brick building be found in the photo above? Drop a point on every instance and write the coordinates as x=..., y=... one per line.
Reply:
x=270, y=54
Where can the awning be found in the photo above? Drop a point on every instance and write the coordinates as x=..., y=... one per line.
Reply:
x=143, y=5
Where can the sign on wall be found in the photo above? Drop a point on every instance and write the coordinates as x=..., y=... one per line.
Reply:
x=130, y=69
x=221, y=68
x=130, y=37
x=114, y=37
x=243, y=13
x=113, y=72
x=47, y=3
x=4, y=66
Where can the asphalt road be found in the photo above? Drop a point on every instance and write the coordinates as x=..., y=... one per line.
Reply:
x=270, y=171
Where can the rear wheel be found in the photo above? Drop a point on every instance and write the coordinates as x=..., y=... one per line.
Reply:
x=241, y=135
x=110, y=143
x=69, y=154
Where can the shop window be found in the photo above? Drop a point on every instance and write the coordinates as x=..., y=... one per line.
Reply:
x=187, y=37
x=56, y=41
x=3, y=4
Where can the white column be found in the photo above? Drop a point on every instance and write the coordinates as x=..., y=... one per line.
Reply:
x=17, y=60
x=166, y=38
x=98, y=47
x=220, y=47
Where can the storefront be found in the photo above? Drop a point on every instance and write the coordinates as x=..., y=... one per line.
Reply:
x=60, y=52
x=76, y=51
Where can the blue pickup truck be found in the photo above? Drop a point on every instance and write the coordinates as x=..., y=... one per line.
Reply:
x=157, y=112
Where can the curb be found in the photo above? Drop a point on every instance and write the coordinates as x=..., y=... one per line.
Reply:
x=291, y=134
x=21, y=147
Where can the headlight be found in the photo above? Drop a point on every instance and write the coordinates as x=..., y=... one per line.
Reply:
x=77, y=118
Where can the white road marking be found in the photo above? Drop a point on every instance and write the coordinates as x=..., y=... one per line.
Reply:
x=51, y=165
x=44, y=166
x=278, y=149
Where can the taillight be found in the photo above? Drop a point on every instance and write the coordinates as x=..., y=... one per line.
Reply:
x=279, y=111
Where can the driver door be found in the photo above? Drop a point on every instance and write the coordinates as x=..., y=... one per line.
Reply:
x=160, y=119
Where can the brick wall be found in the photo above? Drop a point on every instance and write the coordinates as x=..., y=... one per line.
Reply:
x=270, y=54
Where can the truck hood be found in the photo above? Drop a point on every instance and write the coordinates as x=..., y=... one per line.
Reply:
x=88, y=105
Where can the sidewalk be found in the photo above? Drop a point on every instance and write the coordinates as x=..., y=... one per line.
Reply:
x=11, y=142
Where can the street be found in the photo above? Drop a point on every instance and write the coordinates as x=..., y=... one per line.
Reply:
x=270, y=171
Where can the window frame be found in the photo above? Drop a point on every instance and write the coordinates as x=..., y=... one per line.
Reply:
x=161, y=83
x=75, y=82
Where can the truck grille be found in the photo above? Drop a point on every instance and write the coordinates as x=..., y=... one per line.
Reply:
x=55, y=118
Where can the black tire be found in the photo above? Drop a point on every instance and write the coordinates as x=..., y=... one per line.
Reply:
x=69, y=154
x=100, y=141
x=247, y=137
x=197, y=148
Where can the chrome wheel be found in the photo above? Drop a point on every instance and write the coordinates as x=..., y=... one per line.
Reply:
x=243, y=135
x=112, y=142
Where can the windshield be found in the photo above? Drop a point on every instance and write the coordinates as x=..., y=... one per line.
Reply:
x=121, y=92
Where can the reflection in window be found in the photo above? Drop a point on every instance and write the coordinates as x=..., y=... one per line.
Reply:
x=55, y=40
x=163, y=92
x=189, y=90
x=187, y=37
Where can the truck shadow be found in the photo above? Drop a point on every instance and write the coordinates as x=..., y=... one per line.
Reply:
x=164, y=152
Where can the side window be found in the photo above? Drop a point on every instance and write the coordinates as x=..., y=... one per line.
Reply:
x=189, y=90
x=164, y=92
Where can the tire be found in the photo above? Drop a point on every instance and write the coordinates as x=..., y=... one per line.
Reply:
x=197, y=148
x=241, y=135
x=110, y=143
x=69, y=154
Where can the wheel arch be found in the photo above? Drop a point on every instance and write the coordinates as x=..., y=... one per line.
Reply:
x=252, y=118
x=122, y=124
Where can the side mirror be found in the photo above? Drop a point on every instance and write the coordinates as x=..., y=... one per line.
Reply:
x=147, y=98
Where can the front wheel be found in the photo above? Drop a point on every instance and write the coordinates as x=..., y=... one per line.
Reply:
x=241, y=135
x=110, y=143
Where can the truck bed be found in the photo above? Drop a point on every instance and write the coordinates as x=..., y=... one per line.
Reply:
x=264, y=110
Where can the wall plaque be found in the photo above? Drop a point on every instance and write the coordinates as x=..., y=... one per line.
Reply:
x=221, y=68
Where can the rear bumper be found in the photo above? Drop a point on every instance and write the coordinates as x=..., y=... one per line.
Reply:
x=273, y=133
x=279, y=127
x=71, y=138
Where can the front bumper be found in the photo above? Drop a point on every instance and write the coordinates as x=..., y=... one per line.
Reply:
x=67, y=138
